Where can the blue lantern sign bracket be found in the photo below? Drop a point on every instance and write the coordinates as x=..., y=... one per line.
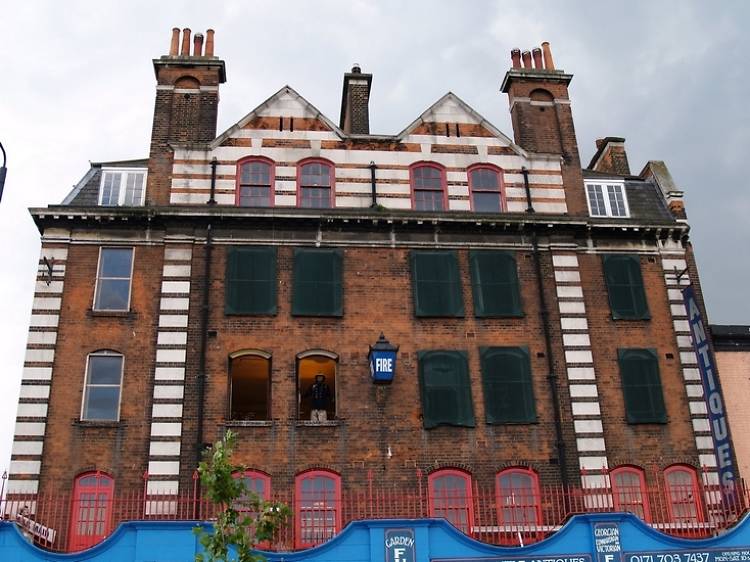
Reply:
x=382, y=359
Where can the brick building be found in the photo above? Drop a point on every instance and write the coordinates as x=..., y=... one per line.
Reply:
x=535, y=303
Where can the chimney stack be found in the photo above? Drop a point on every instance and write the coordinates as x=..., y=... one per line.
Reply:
x=355, y=102
x=515, y=56
x=548, y=64
x=537, y=54
x=209, y=42
x=610, y=157
x=198, y=45
x=526, y=56
x=175, y=44
x=185, y=52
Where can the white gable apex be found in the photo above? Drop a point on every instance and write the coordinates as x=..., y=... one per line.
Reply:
x=285, y=104
x=450, y=110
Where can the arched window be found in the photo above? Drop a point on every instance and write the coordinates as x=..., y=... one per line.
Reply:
x=318, y=507
x=314, y=184
x=629, y=491
x=519, y=506
x=255, y=182
x=250, y=385
x=683, y=496
x=485, y=184
x=316, y=385
x=101, y=392
x=450, y=498
x=91, y=510
x=428, y=187
x=256, y=482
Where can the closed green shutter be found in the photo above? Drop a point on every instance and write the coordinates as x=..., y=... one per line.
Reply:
x=437, y=284
x=641, y=386
x=508, y=391
x=250, y=280
x=494, y=284
x=627, y=298
x=446, y=389
x=317, y=282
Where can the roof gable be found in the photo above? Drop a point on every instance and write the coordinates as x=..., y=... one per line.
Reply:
x=452, y=109
x=284, y=103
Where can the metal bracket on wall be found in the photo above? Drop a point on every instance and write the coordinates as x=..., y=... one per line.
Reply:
x=50, y=265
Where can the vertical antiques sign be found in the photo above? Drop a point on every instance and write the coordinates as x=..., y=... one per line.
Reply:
x=717, y=416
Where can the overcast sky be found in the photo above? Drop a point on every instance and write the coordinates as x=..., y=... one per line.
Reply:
x=77, y=85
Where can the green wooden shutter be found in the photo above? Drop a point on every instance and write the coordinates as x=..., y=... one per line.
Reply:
x=641, y=386
x=627, y=298
x=508, y=390
x=317, y=287
x=494, y=284
x=250, y=280
x=437, y=284
x=446, y=389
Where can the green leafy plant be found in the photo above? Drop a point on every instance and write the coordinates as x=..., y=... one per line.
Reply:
x=245, y=519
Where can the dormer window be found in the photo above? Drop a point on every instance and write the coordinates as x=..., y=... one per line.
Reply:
x=122, y=187
x=607, y=199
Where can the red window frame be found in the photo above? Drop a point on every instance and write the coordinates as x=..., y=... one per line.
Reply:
x=90, y=510
x=525, y=504
x=315, y=533
x=443, y=184
x=331, y=174
x=257, y=475
x=628, y=497
x=458, y=509
x=271, y=177
x=680, y=496
x=500, y=185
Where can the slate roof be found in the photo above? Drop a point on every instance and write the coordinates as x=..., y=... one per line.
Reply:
x=86, y=192
x=645, y=199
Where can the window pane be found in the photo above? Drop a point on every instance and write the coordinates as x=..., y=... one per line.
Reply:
x=427, y=177
x=641, y=384
x=317, y=289
x=518, y=498
x=255, y=196
x=446, y=390
x=596, y=201
x=134, y=188
x=115, y=262
x=255, y=173
x=250, y=280
x=105, y=369
x=249, y=390
x=316, y=174
x=428, y=200
x=315, y=198
x=111, y=188
x=437, y=284
x=485, y=179
x=113, y=294
x=486, y=202
x=494, y=280
x=450, y=498
x=101, y=403
x=616, y=200
x=508, y=390
x=627, y=297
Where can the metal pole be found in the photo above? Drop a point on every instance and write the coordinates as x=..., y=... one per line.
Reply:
x=3, y=171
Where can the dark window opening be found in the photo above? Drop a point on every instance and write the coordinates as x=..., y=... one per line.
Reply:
x=508, y=390
x=316, y=387
x=494, y=284
x=437, y=284
x=641, y=386
x=250, y=386
x=627, y=297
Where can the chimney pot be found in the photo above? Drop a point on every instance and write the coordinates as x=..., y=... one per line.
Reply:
x=209, y=42
x=356, y=69
x=537, y=53
x=600, y=143
x=547, y=52
x=515, y=56
x=526, y=56
x=175, y=44
x=198, y=45
x=185, y=51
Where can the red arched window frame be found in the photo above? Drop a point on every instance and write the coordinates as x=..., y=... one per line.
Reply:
x=683, y=494
x=317, y=507
x=301, y=194
x=519, y=504
x=629, y=491
x=427, y=197
x=256, y=481
x=450, y=497
x=271, y=180
x=90, y=510
x=475, y=188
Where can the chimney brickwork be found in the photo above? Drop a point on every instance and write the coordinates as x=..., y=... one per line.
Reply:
x=355, y=102
x=610, y=157
x=542, y=117
x=186, y=106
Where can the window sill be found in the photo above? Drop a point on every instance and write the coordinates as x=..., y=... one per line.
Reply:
x=99, y=423
x=248, y=423
x=112, y=313
x=308, y=423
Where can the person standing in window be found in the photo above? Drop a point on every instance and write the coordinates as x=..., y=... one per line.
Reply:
x=320, y=394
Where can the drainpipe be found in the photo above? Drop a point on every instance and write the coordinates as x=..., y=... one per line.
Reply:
x=205, y=303
x=211, y=197
x=374, y=202
x=544, y=314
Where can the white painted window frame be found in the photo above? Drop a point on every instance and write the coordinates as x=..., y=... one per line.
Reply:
x=607, y=206
x=102, y=353
x=124, y=172
x=98, y=279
